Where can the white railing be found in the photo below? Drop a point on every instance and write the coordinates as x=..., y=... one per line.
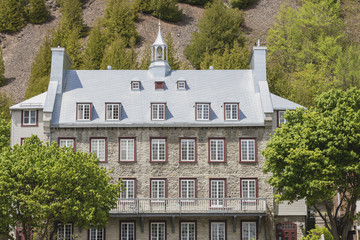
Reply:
x=196, y=205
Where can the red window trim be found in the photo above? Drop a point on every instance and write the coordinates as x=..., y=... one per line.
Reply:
x=134, y=179
x=249, y=220
x=278, y=117
x=119, y=159
x=184, y=221
x=196, y=111
x=150, y=222
x=195, y=179
x=132, y=221
x=166, y=158
x=177, y=84
x=216, y=138
x=240, y=156
x=214, y=179
x=104, y=234
x=219, y=221
x=90, y=108
x=151, y=179
x=65, y=138
x=256, y=186
x=238, y=108
x=29, y=125
x=159, y=85
x=151, y=116
x=195, y=157
x=113, y=103
x=22, y=141
x=135, y=82
x=106, y=151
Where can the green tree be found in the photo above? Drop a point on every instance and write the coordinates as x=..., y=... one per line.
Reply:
x=4, y=134
x=146, y=58
x=42, y=185
x=316, y=155
x=5, y=104
x=196, y=2
x=219, y=27
x=241, y=4
x=95, y=48
x=172, y=59
x=72, y=18
x=12, y=15
x=167, y=10
x=38, y=11
x=2, y=68
x=315, y=234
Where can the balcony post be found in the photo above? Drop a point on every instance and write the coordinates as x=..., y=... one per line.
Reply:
x=137, y=205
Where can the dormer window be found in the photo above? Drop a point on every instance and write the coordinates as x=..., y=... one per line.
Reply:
x=202, y=111
x=159, y=85
x=112, y=111
x=181, y=85
x=158, y=111
x=83, y=111
x=135, y=85
x=29, y=118
x=231, y=111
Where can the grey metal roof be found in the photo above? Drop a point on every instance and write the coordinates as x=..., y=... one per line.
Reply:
x=36, y=102
x=280, y=103
x=107, y=86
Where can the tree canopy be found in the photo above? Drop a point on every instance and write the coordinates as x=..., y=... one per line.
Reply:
x=42, y=185
x=316, y=155
x=4, y=132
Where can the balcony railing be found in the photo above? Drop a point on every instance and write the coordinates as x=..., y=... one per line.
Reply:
x=190, y=206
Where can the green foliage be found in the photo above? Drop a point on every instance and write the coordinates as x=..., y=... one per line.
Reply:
x=71, y=19
x=12, y=15
x=315, y=234
x=172, y=59
x=95, y=48
x=5, y=103
x=38, y=11
x=146, y=58
x=235, y=58
x=118, y=57
x=196, y=2
x=219, y=27
x=4, y=134
x=309, y=53
x=2, y=68
x=42, y=185
x=316, y=155
x=241, y=4
x=119, y=21
x=167, y=10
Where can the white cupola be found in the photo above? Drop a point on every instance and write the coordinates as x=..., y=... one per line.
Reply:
x=159, y=66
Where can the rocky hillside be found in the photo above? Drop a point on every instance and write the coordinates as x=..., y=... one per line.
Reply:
x=20, y=49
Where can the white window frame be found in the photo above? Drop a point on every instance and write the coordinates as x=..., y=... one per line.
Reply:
x=127, y=234
x=216, y=229
x=248, y=230
x=96, y=144
x=158, y=111
x=62, y=231
x=158, y=190
x=216, y=150
x=248, y=190
x=217, y=192
x=181, y=85
x=231, y=111
x=281, y=119
x=127, y=150
x=83, y=114
x=111, y=109
x=187, y=150
x=31, y=119
x=129, y=192
x=187, y=232
x=158, y=150
x=202, y=111
x=187, y=189
x=95, y=232
x=135, y=85
x=248, y=150
x=160, y=234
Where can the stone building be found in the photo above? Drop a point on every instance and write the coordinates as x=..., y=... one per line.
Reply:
x=187, y=145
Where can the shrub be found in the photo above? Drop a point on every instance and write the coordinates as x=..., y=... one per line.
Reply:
x=241, y=4
x=196, y=2
x=12, y=15
x=38, y=11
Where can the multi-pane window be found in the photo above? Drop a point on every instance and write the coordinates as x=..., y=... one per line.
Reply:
x=248, y=188
x=64, y=232
x=127, y=149
x=157, y=231
x=158, y=190
x=158, y=150
x=127, y=231
x=66, y=142
x=187, y=151
x=218, y=231
x=188, y=231
x=112, y=111
x=128, y=191
x=187, y=189
x=29, y=117
x=217, y=194
x=83, y=111
x=216, y=150
x=158, y=111
x=98, y=146
x=181, y=85
x=135, y=85
x=231, y=111
x=281, y=118
x=247, y=150
x=203, y=111
x=96, y=234
x=248, y=230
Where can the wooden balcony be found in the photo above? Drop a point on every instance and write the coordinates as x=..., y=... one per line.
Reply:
x=189, y=207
